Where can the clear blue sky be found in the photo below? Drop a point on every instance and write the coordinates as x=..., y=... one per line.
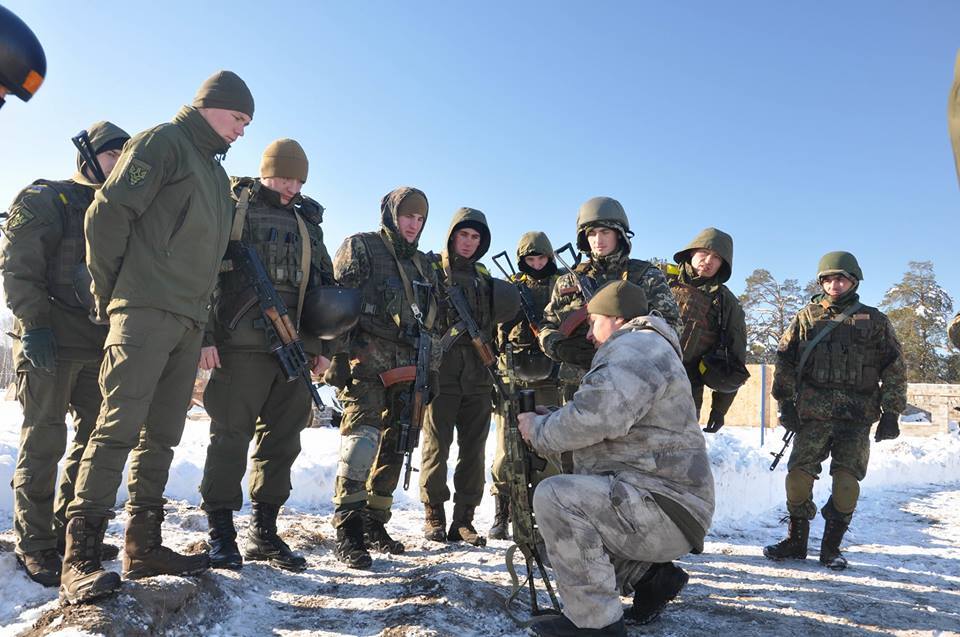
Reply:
x=798, y=127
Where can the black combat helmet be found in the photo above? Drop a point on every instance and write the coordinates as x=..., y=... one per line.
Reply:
x=23, y=64
x=506, y=301
x=330, y=311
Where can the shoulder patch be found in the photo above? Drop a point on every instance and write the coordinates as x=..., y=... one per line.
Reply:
x=18, y=218
x=137, y=171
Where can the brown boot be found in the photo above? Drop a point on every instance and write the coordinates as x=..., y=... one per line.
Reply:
x=435, y=523
x=43, y=567
x=461, y=529
x=145, y=556
x=84, y=578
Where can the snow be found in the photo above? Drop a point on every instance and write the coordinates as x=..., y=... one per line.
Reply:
x=903, y=547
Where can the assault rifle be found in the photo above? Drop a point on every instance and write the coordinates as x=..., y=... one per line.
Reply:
x=281, y=334
x=777, y=457
x=530, y=311
x=585, y=285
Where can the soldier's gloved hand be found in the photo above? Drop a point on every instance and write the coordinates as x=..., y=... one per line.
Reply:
x=888, y=428
x=789, y=418
x=549, y=344
x=714, y=422
x=338, y=374
x=40, y=347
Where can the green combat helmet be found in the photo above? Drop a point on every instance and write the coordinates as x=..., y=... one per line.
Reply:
x=23, y=63
x=839, y=263
x=603, y=212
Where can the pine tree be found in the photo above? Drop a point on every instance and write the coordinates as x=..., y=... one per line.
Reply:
x=770, y=306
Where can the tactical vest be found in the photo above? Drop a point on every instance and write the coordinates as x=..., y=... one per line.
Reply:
x=849, y=356
x=72, y=251
x=701, y=327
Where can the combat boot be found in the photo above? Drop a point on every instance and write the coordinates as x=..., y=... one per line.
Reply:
x=561, y=626
x=461, y=529
x=434, y=522
x=144, y=554
x=108, y=552
x=501, y=519
x=377, y=538
x=83, y=577
x=43, y=567
x=657, y=588
x=350, y=548
x=830, y=555
x=794, y=546
x=223, y=540
x=263, y=543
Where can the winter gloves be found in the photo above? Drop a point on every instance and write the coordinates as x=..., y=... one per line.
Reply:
x=40, y=347
x=888, y=428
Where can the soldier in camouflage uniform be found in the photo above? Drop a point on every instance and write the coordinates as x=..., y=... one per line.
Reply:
x=641, y=492
x=156, y=233
x=710, y=313
x=384, y=265
x=603, y=234
x=839, y=369
x=248, y=396
x=57, y=350
x=463, y=404
x=532, y=368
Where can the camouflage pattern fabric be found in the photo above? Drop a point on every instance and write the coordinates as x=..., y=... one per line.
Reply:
x=954, y=331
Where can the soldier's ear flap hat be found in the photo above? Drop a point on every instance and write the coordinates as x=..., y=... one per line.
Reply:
x=619, y=298
x=285, y=158
x=225, y=89
x=839, y=263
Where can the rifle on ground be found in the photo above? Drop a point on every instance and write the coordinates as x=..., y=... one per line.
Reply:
x=281, y=334
x=585, y=285
x=533, y=315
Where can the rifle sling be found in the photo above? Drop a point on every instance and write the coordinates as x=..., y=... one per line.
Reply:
x=829, y=327
x=407, y=286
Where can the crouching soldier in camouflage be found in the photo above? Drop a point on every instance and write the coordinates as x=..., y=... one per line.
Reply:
x=58, y=349
x=641, y=493
x=248, y=396
x=714, y=336
x=603, y=234
x=532, y=369
x=839, y=368
x=156, y=232
x=390, y=273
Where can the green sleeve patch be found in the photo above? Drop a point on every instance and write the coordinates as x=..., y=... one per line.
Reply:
x=18, y=219
x=136, y=173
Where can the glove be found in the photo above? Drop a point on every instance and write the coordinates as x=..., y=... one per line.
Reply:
x=789, y=418
x=714, y=422
x=338, y=374
x=40, y=348
x=888, y=428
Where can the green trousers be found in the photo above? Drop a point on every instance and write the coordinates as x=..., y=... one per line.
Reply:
x=249, y=398
x=147, y=375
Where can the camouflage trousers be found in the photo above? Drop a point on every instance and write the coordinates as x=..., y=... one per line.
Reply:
x=147, y=376
x=39, y=501
x=600, y=545
x=846, y=443
x=249, y=398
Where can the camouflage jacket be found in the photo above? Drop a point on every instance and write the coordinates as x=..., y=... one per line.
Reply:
x=633, y=417
x=954, y=331
x=851, y=375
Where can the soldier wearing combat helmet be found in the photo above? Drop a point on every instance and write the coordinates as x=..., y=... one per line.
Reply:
x=839, y=369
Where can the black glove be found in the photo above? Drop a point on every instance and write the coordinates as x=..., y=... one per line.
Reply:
x=789, y=418
x=888, y=428
x=40, y=347
x=714, y=422
x=338, y=374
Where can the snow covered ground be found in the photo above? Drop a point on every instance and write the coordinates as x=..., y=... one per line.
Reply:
x=903, y=547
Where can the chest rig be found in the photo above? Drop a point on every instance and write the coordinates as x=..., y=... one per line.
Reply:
x=699, y=315
x=72, y=249
x=848, y=357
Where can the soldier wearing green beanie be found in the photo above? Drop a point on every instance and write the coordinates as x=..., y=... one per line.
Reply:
x=155, y=233
x=57, y=351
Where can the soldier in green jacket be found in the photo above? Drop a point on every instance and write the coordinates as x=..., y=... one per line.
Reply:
x=603, y=235
x=156, y=233
x=248, y=396
x=57, y=352
x=839, y=369
x=712, y=316
x=463, y=404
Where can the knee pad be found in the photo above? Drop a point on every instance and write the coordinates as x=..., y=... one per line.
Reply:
x=846, y=491
x=357, y=453
x=799, y=485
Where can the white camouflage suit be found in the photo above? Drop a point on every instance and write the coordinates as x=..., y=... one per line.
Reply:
x=638, y=452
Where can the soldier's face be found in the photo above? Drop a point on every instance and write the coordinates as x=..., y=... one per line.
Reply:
x=465, y=242
x=108, y=160
x=284, y=186
x=536, y=261
x=228, y=124
x=409, y=226
x=602, y=327
x=706, y=263
x=835, y=284
x=603, y=241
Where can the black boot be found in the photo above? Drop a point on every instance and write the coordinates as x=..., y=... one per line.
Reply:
x=461, y=529
x=794, y=546
x=224, y=552
x=84, y=578
x=43, y=567
x=833, y=530
x=501, y=519
x=658, y=586
x=351, y=548
x=377, y=538
x=144, y=554
x=263, y=543
x=560, y=626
